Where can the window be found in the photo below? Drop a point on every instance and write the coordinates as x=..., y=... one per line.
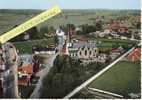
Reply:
x=73, y=54
x=80, y=53
x=85, y=52
x=95, y=50
x=90, y=52
x=76, y=54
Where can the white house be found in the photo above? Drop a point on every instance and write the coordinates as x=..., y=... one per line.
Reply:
x=49, y=51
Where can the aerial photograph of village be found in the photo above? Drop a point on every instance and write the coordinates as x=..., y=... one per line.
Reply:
x=90, y=50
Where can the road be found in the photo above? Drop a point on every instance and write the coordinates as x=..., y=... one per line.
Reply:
x=101, y=95
x=76, y=90
x=37, y=91
x=105, y=93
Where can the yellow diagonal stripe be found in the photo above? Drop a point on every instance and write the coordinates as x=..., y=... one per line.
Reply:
x=29, y=24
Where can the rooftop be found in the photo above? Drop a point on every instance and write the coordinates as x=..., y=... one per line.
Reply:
x=85, y=44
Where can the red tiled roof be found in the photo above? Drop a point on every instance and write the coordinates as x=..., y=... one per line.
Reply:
x=117, y=25
x=135, y=55
x=26, y=69
x=115, y=50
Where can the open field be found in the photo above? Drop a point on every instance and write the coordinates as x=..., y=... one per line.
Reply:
x=26, y=46
x=10, y=18
x=123, y=78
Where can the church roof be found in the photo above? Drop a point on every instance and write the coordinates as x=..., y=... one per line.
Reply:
x=80, y=45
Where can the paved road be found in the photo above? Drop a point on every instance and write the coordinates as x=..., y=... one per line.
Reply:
x=37, y=91
x=101, y=95
x=107, y=93
x=76, y=90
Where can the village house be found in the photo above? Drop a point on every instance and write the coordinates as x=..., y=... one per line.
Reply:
x=135, y=55
x=119, y=27
x=44, y=50
x=28, y=67
x=115, y=52
x=102, y=34
x=25, y=69
x=123, y=38
x=24, y=74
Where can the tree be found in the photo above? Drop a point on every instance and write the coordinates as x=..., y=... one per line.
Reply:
x=56, y=39
x=17, y=38
x=44, y=30
x=65, y=75
x=86, y=29
x=51, y=29
x=34, y=33
x=98, y=26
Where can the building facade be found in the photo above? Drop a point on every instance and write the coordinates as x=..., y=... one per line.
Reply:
x=83, y=50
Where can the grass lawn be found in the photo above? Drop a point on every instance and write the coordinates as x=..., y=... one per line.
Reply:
x=123, y=78
x=109, y=43
x=26, y=46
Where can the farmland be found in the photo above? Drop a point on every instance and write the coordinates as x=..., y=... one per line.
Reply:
x=10, y=18
x=123, y=78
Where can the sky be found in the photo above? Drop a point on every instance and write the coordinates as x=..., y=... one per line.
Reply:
x=70, y=4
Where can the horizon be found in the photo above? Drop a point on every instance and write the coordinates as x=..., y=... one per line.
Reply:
x=72, y=9
x=65, y=4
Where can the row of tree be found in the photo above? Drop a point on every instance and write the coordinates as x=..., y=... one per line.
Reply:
x=34, y=33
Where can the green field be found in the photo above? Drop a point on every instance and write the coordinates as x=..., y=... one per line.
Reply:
x=10, y=18
x=26, y=46
x=123, y=78
x=110, y=42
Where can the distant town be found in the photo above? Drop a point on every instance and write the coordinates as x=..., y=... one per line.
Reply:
x=55, y=58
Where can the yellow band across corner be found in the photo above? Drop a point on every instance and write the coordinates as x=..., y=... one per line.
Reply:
x=29, y=24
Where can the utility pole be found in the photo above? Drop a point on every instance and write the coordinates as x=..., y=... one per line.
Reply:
x=9, y=75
